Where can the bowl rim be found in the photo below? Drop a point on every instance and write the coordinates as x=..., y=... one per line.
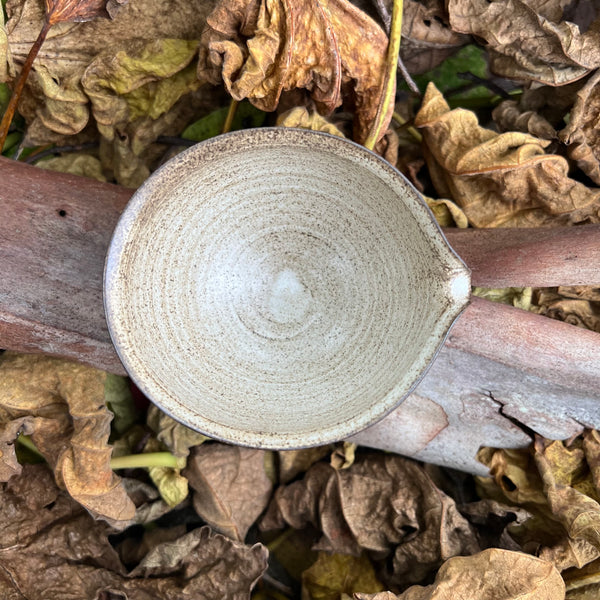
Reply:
x=457, y=287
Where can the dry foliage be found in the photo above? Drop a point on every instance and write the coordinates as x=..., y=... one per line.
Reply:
x=368, y=524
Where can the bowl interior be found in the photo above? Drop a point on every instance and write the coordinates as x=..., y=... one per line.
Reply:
x=279, y=288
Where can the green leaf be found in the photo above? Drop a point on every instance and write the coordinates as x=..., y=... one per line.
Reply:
x=120, y=402
x=469, y=59
x=246, y=117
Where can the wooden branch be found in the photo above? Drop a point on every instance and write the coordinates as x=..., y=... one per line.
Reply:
x=500, y=365
x=543, y=257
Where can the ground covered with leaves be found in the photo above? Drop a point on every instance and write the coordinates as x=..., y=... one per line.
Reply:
x=495, y=122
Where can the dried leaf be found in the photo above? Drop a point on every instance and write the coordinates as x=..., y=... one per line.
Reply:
x=554, y=303
x=384, y=504
x=53, y=550
x=519, y=297
x=74, y=11
x=492, y=574
x=135, y=96
x=61, y=406
x=427, y=39
x=231, y=488
x=529, y=39
x=263, y=49
x=294, y=462
x=508, y=116
x=571, y=494
x=302, y=118
x=447, y=213
x=84, y=165
x=581, y=134
x=499, y=179
x=335, y=574
x=343, y=456
x=173, y=486
x=176, y=437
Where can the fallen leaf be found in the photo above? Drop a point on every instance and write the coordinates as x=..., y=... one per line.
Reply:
x=51, y=549
x=84, y=165
x=529, y=39
x=447, y=213
x=571, y=494
x=61, y=405
x=171, y=484
x=508, y=117
x=427, y=38
x=383, y=504
x=554, y=303
x=343, y=456
x=301, y=117
x=335, y=574
x=491, y=574
x=499, y=179
x=74, y=11
x=231, y=487
x=174, y=435
x=294, y=462
x=260, y=50
x=581, y=134
x=515, y=296
x=136, y=97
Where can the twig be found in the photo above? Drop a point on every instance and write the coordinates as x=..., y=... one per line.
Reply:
x=390, y=76
x=409, y=80
x=490, y=85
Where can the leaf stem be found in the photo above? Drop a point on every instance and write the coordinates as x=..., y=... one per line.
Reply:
x=27, y=442
x=20, y=85
x=147, y=460
x=230, y=116
x=402, y=122
x=390, y=76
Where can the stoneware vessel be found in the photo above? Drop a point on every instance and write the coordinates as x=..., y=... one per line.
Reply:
x=279, y=288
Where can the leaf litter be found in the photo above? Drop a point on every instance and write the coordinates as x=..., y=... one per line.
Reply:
x=190, y=516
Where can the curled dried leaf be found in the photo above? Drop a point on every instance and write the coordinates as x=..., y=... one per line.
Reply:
x=45, y=531
x=427, y=38
x=261, y=50
x=582, y=134
x=231, y=487
x=529, y=40
x=509, y=117
x=499, y=179
x=579, y=311
x=61, y=405
x=494, y=573
x=383, y=504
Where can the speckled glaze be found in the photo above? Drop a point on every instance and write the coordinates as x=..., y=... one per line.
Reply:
x=279, y=288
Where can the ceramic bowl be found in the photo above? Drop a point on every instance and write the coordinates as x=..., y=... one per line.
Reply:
x=279, y=288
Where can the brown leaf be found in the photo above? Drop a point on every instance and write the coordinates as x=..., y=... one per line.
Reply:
x=427, y=38
x=54, y=550
x=529, y=39
x=140, y=79
x=509, y=117
x=562, y=305
x=581, y=134
x=384, y=504
x=571, y=494
x=74, y=11
x=262, y=49
x=61, y=405
x=499, y=179
x=294, y=462
x=492, y=574
x=231, y=488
